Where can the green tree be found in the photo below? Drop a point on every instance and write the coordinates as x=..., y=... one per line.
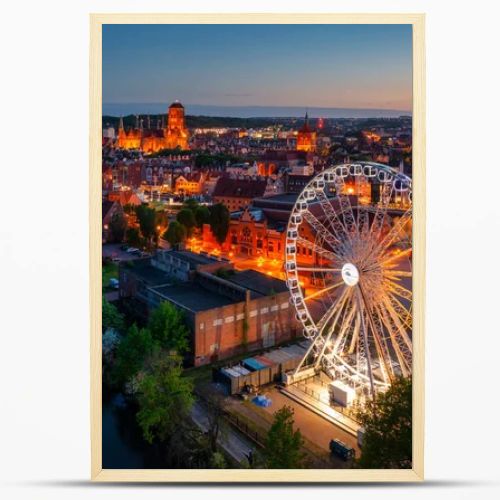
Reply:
x=165, y=399
x=168, y=327
x=131, y=354
x=217, y=461
x=283, y=445
x=175, y=233
x=133, y=237
x=190, y=204
x=111, y=317
x=118, y=226
x=202, y=216
x=186, y=218
x=129, y=208
x=387, y=442
x=219, y=222
x=147, y=222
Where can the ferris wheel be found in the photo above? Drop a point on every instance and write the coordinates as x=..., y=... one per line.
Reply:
x=349, y=272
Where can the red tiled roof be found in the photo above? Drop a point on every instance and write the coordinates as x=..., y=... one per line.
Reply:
x=240, y=188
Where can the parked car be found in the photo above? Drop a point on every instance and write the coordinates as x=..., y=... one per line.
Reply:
x=342, y=450
x=132, y=250
x=114, y=283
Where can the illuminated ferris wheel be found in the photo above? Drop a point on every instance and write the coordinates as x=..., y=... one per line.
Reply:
x=349, y=272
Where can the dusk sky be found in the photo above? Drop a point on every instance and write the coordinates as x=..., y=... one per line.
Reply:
x=341, y=66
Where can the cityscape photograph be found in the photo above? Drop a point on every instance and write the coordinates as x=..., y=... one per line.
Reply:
x=257, y=246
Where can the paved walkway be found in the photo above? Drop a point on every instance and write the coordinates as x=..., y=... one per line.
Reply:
x=230, y=440
x=316, y=429
x=322, y=409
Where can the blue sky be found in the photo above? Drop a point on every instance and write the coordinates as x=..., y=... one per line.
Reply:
x=353, y=66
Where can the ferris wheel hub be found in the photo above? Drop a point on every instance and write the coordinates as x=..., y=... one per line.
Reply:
x=350, y=274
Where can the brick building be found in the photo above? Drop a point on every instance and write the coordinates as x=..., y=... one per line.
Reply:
x=109, y=210
x=238, y=192
x=228, y=311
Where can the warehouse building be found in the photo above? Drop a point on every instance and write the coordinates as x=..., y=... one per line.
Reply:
x=228, y=311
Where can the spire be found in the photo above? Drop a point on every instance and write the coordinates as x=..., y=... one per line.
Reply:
x=149, y=122
x=307, y=118
x=120, y=126
x=136, y=121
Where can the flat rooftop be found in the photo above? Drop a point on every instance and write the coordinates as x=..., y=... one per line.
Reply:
x=193, y=297
x=285, y=198
x=142, y=269
x=259, y=283
x=193, y=259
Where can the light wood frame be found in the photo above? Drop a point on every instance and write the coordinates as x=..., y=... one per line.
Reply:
x=242, y=475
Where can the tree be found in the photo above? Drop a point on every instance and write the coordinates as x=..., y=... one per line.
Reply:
x=133, y=237
x=132, y=352
x=165, y=399
x=129, y=208
x=387, y=441
x=111, y=317
x=283, y=445
x=186, y=218
x=219, y=222
x=218, y=461
x=202, y=216
x=216, y=410
x=190, y=204
x=118, y=226
x=168, y=327
x=147, y=222
x=175, y=233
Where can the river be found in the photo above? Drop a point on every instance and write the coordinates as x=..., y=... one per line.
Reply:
x=122, y=443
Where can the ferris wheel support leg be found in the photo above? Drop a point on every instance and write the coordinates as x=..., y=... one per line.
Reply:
x=365, y=340
x=308, y=352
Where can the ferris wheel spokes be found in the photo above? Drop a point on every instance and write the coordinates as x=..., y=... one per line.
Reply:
x=348, y=263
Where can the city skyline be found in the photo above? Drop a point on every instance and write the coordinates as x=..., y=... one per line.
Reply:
x=269, y=66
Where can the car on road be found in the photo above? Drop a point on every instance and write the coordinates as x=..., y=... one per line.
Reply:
x=342, y=450
x=114, y=283
x=132, y=250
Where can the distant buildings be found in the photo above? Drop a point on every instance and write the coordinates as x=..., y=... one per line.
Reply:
x=238, y=192
x=109, y=210
x=150, y=140
x=190, y=184
x=229, y=311
x=306, y=138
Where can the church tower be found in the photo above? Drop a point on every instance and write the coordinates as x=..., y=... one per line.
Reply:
x=306, y=137
x=176, y=133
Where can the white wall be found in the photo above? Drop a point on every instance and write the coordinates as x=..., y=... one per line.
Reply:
x=44, y=431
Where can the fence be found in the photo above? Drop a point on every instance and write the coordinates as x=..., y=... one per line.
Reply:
x=350, y=412
x=243, y=427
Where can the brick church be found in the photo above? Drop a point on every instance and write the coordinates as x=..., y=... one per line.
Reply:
x=150, y=139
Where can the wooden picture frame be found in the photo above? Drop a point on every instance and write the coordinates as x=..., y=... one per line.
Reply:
x=243, y=475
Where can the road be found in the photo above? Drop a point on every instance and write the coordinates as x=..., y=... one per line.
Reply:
x=313, y=427
x=230, y=440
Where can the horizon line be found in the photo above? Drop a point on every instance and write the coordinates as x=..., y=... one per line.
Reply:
x=306, y=108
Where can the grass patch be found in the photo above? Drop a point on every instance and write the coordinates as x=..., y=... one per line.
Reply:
x=109, y=270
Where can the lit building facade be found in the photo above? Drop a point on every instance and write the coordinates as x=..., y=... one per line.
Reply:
x=306, y=137
x=149, y=140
